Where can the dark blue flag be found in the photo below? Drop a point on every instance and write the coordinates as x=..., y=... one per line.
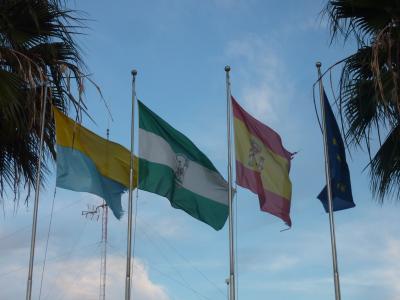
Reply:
x=339, y=171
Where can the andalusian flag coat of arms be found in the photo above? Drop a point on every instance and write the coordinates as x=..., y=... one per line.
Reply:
x=262, y=163
x=170, y=165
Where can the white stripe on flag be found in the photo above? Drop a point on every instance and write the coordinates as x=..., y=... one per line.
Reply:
x=197, y=179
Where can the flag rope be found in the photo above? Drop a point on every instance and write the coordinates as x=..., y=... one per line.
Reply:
x=232, y=288
x=131, y=176
x=181, y=282
x=160, y=237
x=236, y=242
x=329, y=190
x=47, y=242
x=37, y=193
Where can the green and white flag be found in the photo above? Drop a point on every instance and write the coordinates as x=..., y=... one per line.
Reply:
x=170, y=165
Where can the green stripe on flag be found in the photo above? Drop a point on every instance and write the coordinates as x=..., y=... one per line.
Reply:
x=160, y=179
x=149, y=121
x=170, y=165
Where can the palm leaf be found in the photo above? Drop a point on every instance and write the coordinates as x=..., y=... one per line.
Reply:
x=369, y=94
x=37, y=50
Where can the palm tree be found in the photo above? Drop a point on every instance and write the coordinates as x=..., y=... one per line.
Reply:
x=369, y=89
x=38, y=55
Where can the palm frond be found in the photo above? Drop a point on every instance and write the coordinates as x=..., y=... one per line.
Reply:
x=369, y=94
x=360, y=18
x=385, y=167
x=38, y=53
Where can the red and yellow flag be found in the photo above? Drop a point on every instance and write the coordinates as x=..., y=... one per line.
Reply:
x=262, y=163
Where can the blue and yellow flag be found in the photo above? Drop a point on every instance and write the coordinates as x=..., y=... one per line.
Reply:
x=342, y=197
x=88, y=163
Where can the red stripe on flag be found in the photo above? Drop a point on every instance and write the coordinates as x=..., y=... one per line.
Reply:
x=276, y=205
x=266, y=134
x=269, y=202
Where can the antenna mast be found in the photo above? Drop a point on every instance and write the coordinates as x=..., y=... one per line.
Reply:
x=104, y=229
x=103, y=262
x=93, y=213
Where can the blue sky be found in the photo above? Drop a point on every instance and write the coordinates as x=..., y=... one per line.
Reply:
x=180, y=49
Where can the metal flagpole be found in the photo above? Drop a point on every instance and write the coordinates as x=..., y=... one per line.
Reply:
x=129, y=245
x=230, y=198
x=227, y=288
x=328, y=183
x=36, y=202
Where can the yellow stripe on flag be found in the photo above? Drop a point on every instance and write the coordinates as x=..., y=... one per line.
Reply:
x=111, y=159
x=254, y=155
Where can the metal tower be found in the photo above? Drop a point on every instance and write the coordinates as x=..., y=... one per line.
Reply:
x=103, y=261
x=94, y=213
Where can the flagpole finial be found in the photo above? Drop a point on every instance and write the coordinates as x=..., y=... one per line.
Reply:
x=227, y=68
x=134, y=72
x=318, y=64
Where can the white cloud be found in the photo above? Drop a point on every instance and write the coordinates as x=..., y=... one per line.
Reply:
x=283, y=262
x=383, y=273
x=249, y=263
x=300, y=263
x=305, y=286
x=143, y=287
x=152, y=217
x=265, y=88
x=79, y=279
